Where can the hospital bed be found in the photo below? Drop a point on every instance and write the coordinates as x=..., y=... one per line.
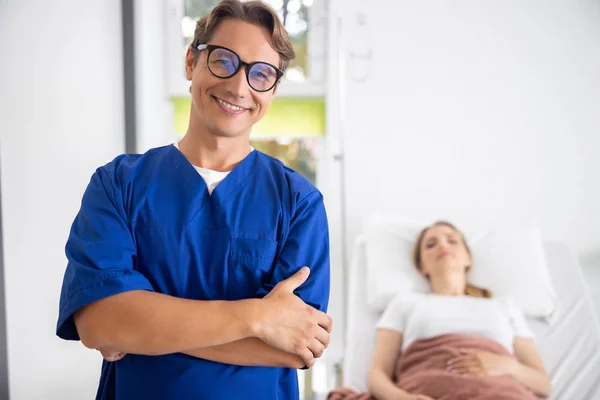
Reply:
x=569, y=341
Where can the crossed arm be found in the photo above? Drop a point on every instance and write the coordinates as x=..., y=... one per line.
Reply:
x=112, y=307
x=279, y=330
x=245, y=352
x=149, y=323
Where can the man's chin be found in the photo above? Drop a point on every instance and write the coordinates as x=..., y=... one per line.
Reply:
x=228, y=131
x=227, y=134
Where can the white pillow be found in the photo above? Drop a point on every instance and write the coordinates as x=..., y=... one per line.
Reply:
x=509, y=261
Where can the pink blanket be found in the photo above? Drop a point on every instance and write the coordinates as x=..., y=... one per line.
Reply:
x=422, y=370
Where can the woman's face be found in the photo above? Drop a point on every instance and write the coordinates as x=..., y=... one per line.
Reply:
x=443, y=252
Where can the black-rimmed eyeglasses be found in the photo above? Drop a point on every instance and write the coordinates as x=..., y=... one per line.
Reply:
x=225, y=63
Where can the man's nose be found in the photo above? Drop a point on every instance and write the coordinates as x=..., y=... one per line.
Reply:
x=237, y=85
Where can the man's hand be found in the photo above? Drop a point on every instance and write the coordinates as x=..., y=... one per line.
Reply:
x=112, y=356
x=288, y=324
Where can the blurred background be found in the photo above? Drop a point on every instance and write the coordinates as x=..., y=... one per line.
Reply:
x=476, y=112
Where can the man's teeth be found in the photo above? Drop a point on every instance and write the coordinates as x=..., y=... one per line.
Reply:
x=230, y=106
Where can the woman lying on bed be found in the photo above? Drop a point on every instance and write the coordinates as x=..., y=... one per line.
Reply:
x=456, y=342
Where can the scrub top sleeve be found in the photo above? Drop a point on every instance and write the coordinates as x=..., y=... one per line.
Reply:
x=307, y=244
x=100, y=254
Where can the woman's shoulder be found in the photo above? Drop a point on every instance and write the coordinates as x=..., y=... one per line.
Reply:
x=398, y=310
x=506, y=304
x=406, y=299
x=409, y=297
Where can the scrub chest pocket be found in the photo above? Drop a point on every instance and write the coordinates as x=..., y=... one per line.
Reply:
x=251, y=262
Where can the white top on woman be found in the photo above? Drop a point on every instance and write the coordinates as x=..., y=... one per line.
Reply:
x=424, y=315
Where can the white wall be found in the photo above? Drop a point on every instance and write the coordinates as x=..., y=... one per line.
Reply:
x=154, y=111
x=476, y=112
x=61, y=116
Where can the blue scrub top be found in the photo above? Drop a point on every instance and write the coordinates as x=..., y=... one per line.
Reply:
x=147, y=222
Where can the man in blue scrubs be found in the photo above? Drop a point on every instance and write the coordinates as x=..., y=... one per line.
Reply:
x=185, y=264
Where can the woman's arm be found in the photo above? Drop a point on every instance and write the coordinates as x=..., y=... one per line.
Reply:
x=388, y=346
x=530, y=369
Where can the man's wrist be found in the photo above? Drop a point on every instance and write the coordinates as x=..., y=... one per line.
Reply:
x=249, y=312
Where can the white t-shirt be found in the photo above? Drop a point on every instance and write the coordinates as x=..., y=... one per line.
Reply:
x=420, y=316
x=211, y=177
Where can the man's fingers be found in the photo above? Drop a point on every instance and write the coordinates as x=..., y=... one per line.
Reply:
x=308, y=357
x=322, y=336
x=316, y=348
x=112, y=356
x=295, y=281
x=118, y=356
x=325, y=322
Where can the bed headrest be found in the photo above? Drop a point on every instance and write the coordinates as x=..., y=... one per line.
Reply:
x=510, y=261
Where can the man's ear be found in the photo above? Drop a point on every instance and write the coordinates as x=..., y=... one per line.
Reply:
x=189, y=63
x=276, y=87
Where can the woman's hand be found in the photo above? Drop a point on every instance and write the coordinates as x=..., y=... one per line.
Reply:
x=481, y=363
x=348, y=394
x=112, y=356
